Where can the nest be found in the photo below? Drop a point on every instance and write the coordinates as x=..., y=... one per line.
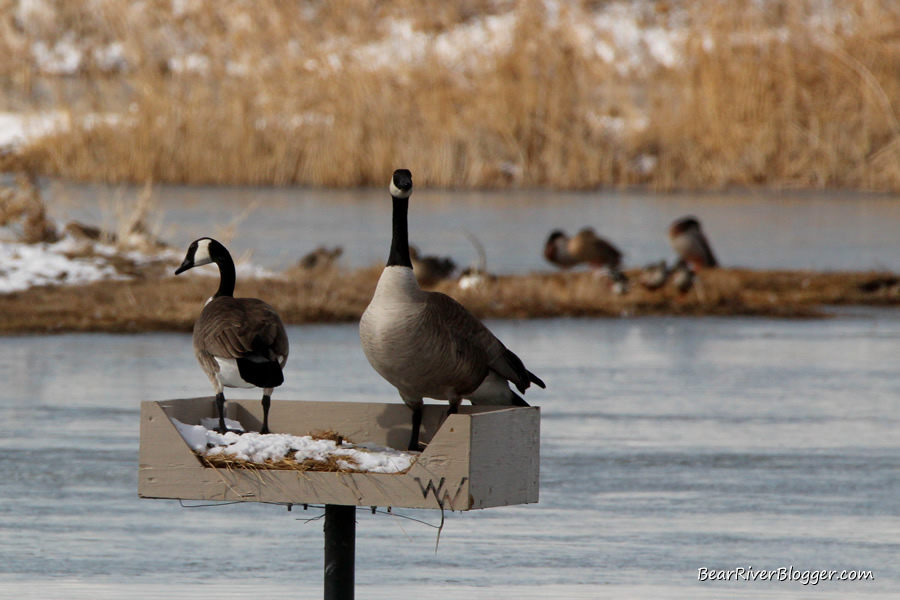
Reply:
x=331, y=464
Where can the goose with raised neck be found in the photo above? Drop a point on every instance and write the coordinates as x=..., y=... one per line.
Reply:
x=425, y=343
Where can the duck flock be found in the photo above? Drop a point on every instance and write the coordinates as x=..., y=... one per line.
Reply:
x=686, y=236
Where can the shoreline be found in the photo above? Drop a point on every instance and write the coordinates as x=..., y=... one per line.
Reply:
x=332, y=295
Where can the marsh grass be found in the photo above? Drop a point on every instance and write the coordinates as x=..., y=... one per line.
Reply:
x=765, y=98
x=288, y=95
x=22, y=208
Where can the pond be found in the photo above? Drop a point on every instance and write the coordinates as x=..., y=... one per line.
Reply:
x=821, y=231
x=668, y=445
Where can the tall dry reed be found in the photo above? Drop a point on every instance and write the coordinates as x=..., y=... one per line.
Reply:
x=294, y=93
x=766, y=98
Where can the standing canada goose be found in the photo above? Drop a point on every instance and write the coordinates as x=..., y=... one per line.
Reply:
x=426, y=344
x=239, y=342
x=690, y=244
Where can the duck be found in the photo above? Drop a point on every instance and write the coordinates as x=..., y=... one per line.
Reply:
x=586, y=247
x=321, y=258
x=654, y=275
x=690, y=244
x=428, y=345
x=239, y=342
x=682, y=277
x=430, y=269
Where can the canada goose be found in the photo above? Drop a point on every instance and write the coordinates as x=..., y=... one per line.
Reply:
x=426, y=344
x=239, y=342
x=690, y=244
x=586, y=247
x=430, y=269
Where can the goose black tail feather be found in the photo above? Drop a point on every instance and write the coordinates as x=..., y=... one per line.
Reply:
x=524, y=377
x=261, y=374
x=519, y=400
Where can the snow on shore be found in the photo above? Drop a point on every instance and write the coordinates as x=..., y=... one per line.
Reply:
x=72, y=261
x=24, y=266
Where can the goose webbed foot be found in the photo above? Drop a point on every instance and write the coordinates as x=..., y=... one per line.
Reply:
x=224, y=430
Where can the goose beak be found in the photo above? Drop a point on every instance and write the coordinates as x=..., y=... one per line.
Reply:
x=187, y=264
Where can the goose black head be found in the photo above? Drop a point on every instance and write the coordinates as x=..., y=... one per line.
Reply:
x=202, y=252
x=401, y=183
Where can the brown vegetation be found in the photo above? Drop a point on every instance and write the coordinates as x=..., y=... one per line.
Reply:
x=21, y=205
x=333, y=295
x=762, y=95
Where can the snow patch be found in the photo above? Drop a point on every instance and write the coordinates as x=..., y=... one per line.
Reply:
x=20, y=129
x=273, y=447
x=23, y=266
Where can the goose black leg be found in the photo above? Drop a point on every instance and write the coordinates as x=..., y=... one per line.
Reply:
x=220, y=404
x=266, y=403
x=416, y=424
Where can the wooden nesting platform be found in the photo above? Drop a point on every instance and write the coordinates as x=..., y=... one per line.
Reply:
x=479, y=458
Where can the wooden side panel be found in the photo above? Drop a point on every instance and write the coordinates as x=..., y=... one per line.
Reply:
x=506, y=457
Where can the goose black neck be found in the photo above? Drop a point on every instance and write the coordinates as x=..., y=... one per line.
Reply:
x=226, y=276
x=399, y=255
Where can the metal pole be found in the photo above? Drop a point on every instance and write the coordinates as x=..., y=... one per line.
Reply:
x=340, y=551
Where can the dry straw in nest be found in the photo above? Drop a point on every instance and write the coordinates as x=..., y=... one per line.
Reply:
x=332, y=464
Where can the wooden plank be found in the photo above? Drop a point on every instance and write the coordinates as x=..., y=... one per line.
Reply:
x=511, y=438
x=480, y=444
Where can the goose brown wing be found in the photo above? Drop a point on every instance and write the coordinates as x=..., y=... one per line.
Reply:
x=237, y=327
x=264, y=326
x=475, y=344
